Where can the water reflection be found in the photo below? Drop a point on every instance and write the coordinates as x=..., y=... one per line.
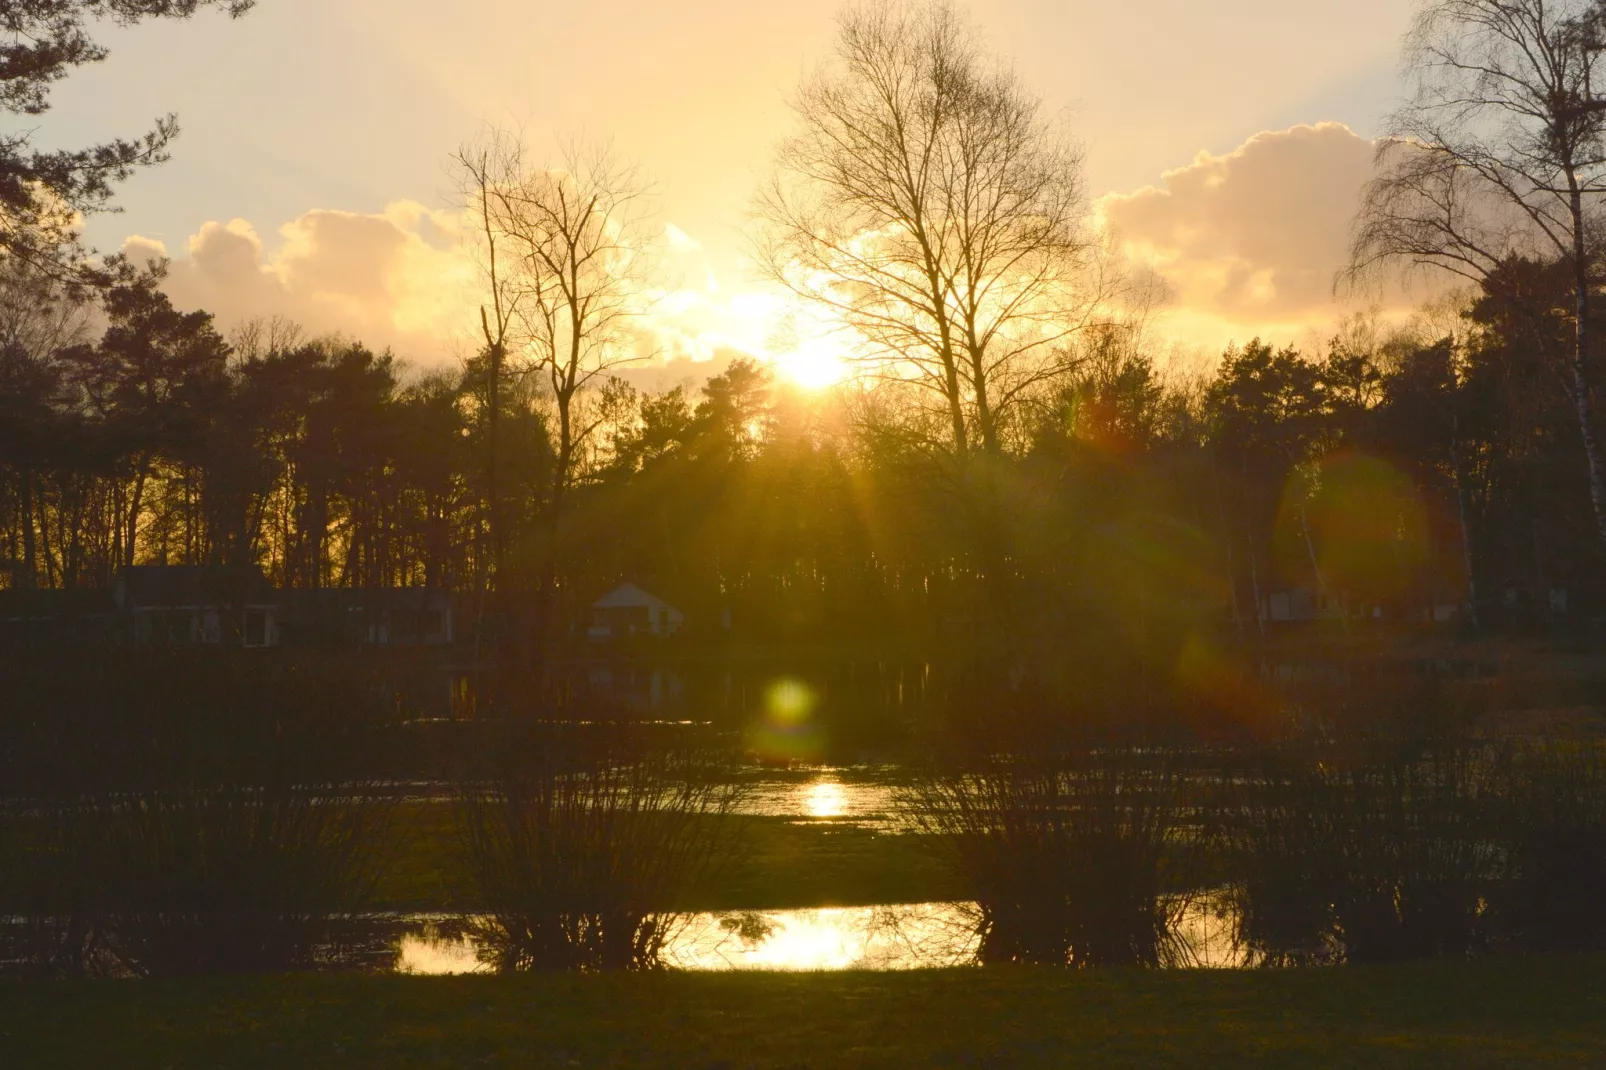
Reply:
x=908, y=936
x=853, y=795
x=434, y=949
x=825, y=798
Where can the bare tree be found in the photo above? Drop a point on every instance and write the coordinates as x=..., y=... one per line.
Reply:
x=927, y=203
x=579, y=233
x=1500, y=152
x=483, y=169
x=263, y=336
x=567, y=254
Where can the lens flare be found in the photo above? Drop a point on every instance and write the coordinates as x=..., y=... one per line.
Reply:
x=1360, y=521
x=789, y=702
x=787, y=729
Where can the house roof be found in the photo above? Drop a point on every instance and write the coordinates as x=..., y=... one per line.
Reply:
x=54, y=604
x=628, y=594
x=192, y=585
x=367, y=599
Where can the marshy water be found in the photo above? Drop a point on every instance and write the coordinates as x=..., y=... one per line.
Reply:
x=904, y=936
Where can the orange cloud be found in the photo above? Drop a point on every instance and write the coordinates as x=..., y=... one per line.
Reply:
x=396, y=278
x=1254, y=238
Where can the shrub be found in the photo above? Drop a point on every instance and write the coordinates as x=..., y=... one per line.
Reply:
x=1385, y=853
x=1553, y=825
x=1065, y=855
x=580, y=838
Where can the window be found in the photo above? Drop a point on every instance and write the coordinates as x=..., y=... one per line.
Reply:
x=256, y=627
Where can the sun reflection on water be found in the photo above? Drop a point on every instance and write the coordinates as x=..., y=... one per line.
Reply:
x=825, y=798
x=433, y=952
x=907, y=936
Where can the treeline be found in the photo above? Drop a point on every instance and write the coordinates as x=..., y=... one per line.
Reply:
x=1391, y=475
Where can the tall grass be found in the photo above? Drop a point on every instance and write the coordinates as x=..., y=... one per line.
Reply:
x=1383, y=855
x=192, y=812
x=1068, y=856
x=581, y=839
x=223, y=879
x=1552, y=819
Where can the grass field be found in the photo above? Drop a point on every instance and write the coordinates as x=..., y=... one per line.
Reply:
x=1513, y=1012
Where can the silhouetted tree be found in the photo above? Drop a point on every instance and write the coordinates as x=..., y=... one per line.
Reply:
x=1501, y=152
x=925, y=201
x=43, y=193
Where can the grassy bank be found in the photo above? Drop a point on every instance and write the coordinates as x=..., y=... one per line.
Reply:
x=1518, y=1012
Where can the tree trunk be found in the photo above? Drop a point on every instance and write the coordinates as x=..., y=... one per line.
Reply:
x=134, y=506
x=1583, y=389
x=30, y=566
x=1461, y=516
x=1226, y=537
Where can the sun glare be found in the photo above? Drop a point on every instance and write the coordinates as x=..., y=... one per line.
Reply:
x=812, y=368
x=825, y=798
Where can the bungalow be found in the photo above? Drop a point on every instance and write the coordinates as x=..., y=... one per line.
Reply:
x=171, y=605
x=374, y=616
x=48, y=617
x=628, y=611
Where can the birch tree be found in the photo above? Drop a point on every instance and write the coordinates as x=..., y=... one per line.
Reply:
x=1500, y=152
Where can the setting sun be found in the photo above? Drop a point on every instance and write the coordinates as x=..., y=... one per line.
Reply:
x=813, y=367
x=1060, y=500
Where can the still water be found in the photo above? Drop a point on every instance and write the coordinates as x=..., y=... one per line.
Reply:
x=906, y=936
x=909, y=936
x=862, y=795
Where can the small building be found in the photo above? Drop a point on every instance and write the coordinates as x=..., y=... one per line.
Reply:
x=54, y=617
x=176, y=605
x=373, y=616
x=1302, y=604
x=628, y=611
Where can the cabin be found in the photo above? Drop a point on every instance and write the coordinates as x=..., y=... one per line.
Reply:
x=179, y=605
x=1302, y=603
x=51, y=617
x=628, y=611
x=373, y=616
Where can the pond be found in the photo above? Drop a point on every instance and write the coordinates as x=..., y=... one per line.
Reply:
x=908, y=936
x=904, y=936
x=863, y=795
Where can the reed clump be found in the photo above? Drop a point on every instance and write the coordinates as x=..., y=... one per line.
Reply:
x=581, y=838
x=1070, y=856
x=189, y=812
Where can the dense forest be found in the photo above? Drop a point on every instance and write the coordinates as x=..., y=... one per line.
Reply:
x=1393, y=473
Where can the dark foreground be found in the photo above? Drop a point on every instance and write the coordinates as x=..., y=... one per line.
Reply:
x=1494, y=1013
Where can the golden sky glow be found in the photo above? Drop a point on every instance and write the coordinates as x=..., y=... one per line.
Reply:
x=311, y=179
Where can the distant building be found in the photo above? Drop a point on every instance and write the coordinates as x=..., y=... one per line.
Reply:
x=628, y=611
x=369, y=616
x=178, y=605
x=57, y=617
x=205, y=605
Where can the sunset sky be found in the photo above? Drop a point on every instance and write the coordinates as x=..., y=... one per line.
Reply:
x=1225, y=144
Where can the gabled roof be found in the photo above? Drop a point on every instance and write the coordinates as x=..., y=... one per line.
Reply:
x=366, y=599
x=192, y=585
x=54, y=604
x=628, y=594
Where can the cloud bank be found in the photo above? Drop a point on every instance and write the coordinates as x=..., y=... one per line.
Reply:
x=397, y=278
x=1252, y=240
x=1247, y=242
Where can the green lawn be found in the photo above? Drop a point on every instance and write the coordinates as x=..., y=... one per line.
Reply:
x=1495, y=1013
